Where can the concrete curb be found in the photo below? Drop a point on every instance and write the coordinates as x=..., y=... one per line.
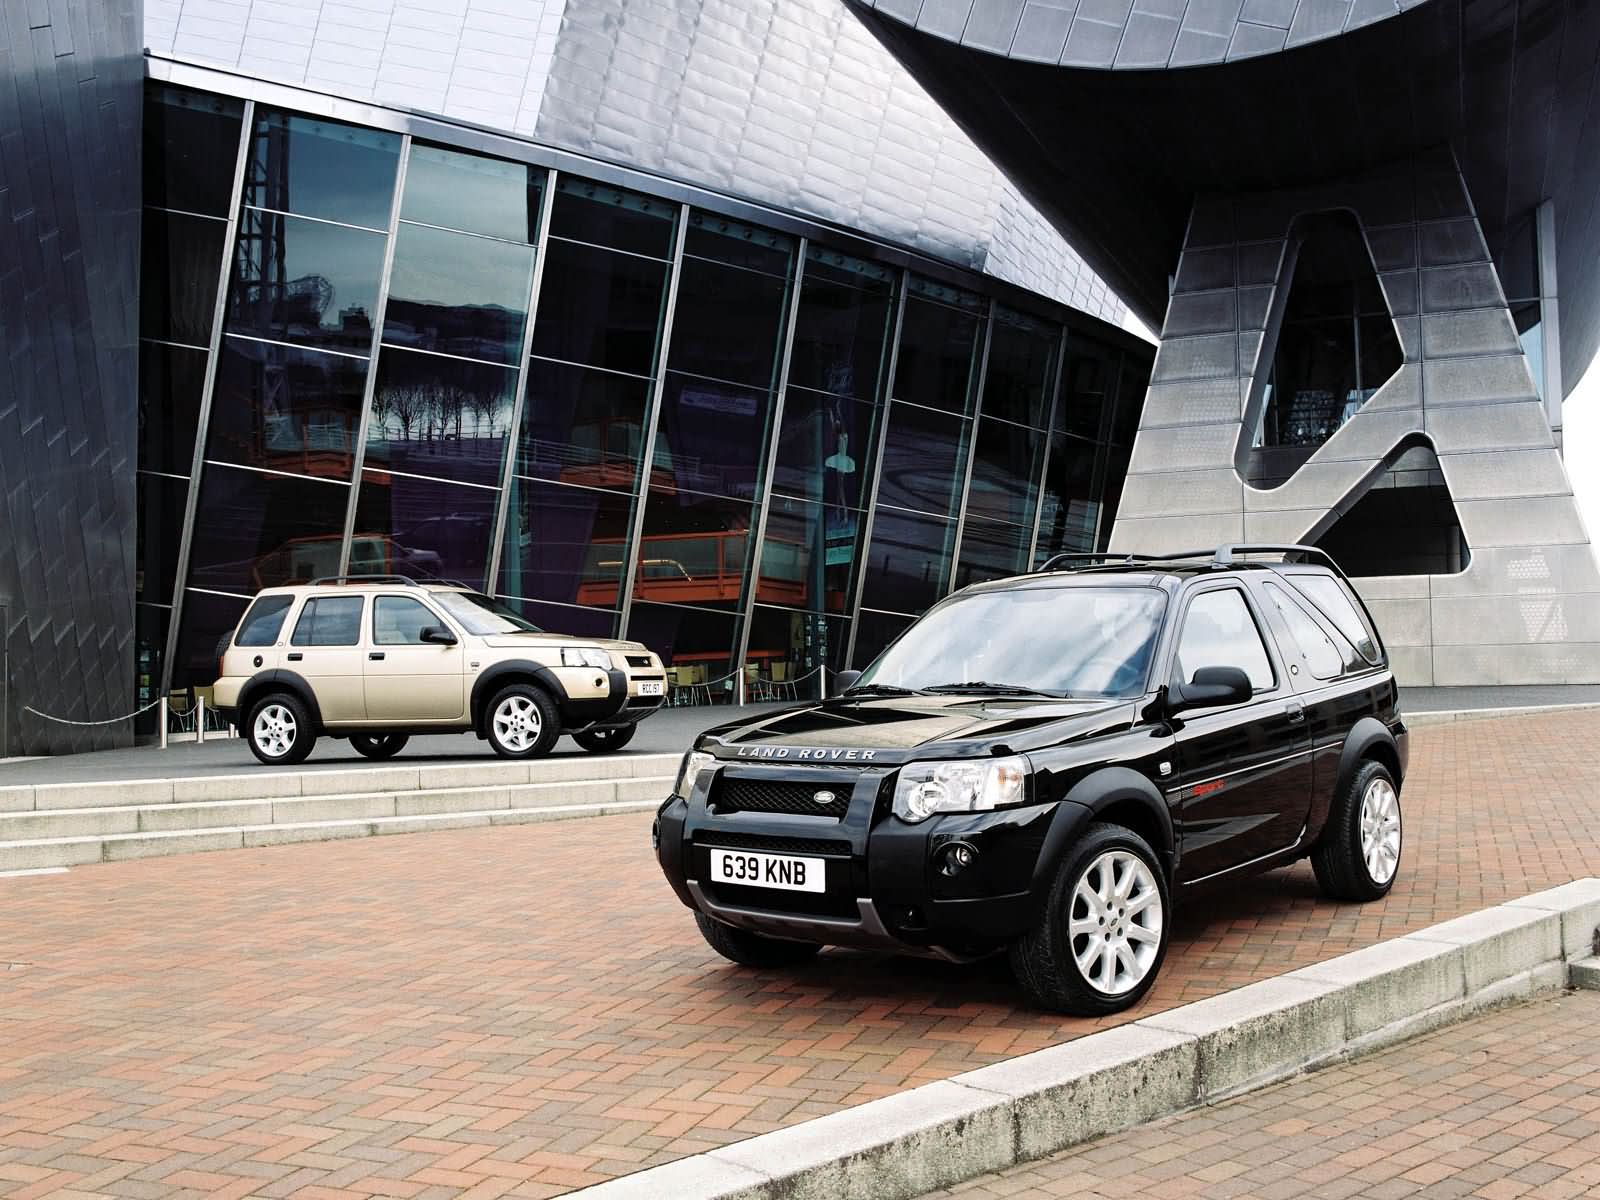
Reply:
x=1027, y=1107
x=1447, y=716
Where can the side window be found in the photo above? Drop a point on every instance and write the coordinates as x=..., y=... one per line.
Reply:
x=400, y=620
x=262, y=623
x=1218, y=631
x=1322, y=658
x=1326, y=593
x=329, y=621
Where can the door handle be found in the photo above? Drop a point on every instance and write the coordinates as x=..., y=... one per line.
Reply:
x=294, y=656
x=375, y=655
x=1295, y=711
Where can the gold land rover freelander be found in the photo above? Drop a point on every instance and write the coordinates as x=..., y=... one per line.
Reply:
x=376, y=659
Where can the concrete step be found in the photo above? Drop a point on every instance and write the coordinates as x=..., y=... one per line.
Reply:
x=251, y=783
x=72, y=837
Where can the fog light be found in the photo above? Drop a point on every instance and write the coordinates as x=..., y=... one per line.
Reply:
x=958, y=856
x=962, y=855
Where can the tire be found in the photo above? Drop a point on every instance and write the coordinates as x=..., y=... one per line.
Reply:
x=379, y=746
x=279, y=730
x=752, y=949
x=522, y=722
x=1365, y=818
x=597, y=741
x=1066, y=970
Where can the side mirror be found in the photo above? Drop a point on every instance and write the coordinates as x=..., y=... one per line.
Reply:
x=1210, y=687
x=844, y=681
x=438, y=635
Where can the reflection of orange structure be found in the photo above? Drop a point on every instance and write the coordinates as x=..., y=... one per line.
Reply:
x=300, y=560
x=683, y=568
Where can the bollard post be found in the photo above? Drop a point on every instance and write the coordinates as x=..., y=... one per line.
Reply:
x=166, y=705
x=199, y=719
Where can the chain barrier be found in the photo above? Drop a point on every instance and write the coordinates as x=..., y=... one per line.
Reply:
x=28, y=708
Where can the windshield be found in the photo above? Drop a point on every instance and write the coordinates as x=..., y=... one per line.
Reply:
x=1055, y=641
x=479, y=614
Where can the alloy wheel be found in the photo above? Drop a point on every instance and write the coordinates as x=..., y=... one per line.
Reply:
x=275, y=730
x=1380, y=830
x=517, y=723
x=1114, y=926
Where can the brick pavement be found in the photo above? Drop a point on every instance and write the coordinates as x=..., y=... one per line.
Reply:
x=1503, y=1106
x=523, y=1010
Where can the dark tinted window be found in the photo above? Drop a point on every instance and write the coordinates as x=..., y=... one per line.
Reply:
x=694, y=549
x=305, y=281
x=842, y=328
x=329, y=621
x=733, y=242
x=1314, y=647
x=600, y=307
x=908, y=563
x=938, y=355
x=440, y=416
x=454, y=293
x=180, y=258
x=1022, y=368
x=161, y=500
x=991, y=550
x=1070, y=508
x=808, y=556
x=1005, y=471
x=321, y=168
x=262, y=623
x=582, y=426
x=924, y=459
x=712, y=434
x=1218, y=631
x=728, y=323
x=471, y=192
x=255, y=529
x=1088, y=382
x=592, y=212
x=565, y=544
x=191, y=144
x=170, y=381
x=286, y=409
x=825, y=447
x=400, y=620
x=424, y=528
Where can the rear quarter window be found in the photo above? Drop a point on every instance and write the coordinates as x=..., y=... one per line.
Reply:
x=1335, y=603
x=264, y=621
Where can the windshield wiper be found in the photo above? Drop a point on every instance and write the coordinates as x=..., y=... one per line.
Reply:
x=979, y=687
x=879, y=689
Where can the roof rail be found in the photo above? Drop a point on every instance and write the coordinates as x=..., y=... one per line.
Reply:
x=441, y=579
x=400, y=579
x=1229, y=554
x=1087, y=560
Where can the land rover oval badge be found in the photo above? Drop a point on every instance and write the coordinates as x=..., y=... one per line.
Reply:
x=824, y=798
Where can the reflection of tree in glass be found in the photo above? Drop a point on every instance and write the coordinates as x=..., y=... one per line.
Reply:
x=436, y=410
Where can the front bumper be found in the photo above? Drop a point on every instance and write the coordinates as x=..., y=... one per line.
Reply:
x=889, y=885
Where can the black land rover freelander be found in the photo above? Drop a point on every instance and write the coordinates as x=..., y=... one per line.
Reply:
x=1045, y=764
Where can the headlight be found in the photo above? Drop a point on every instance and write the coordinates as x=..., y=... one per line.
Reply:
x=693, y=763
x=975, y=785
x=585, y=656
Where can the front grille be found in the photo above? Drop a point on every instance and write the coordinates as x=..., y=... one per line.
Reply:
x=781, y=796
x=772, y=845
x=638, y=660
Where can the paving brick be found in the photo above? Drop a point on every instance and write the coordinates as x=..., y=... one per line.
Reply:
x=526, y=1007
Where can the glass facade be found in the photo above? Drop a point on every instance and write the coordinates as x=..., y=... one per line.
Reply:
x=757, y=451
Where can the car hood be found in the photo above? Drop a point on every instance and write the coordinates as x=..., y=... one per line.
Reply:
x=898, y=729
x=510, y=641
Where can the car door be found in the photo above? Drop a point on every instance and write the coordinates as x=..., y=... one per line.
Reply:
x=408, y=679
x=1244, y=771
x=325, y=649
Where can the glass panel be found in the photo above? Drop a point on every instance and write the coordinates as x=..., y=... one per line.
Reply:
x=1133, y=382
x=938, y=363
x=600, y=307
x=424, y=528
x=807, y=555
x=738, y=244
x=303, y=281
x=1022, y=368
x=329, y=621
x=825, y=448
x=1089, y=379
x=1005, y=472
x=875, y=631
x=208, y=622
x=1380, y=353
x=180, y=258
x=1071, y=510
x=908, y=564
x=320, y=168
x=793, y=655
x=1218, y=631
x=254, y=530
x=458, y=294
x=161, y=500
x=728, y=323
x=1116, y=475
x=1530, y=332
x=842, y=329
x=698, y=647
x=1333, y=599
x=991, y=550
x=592, y=212
x=171, y=379
x=150, y=623
x=440, y=416
x=400, y=620
x=711, y=436
x=694, y=549
x=924, y=460
x=286, y=409
x=1313, y=382
x=560, y=618
x=565, y=544
x=472, y=192
x=1304, y=637
x=582, y=426
x=191, y=143
x=264, y=621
